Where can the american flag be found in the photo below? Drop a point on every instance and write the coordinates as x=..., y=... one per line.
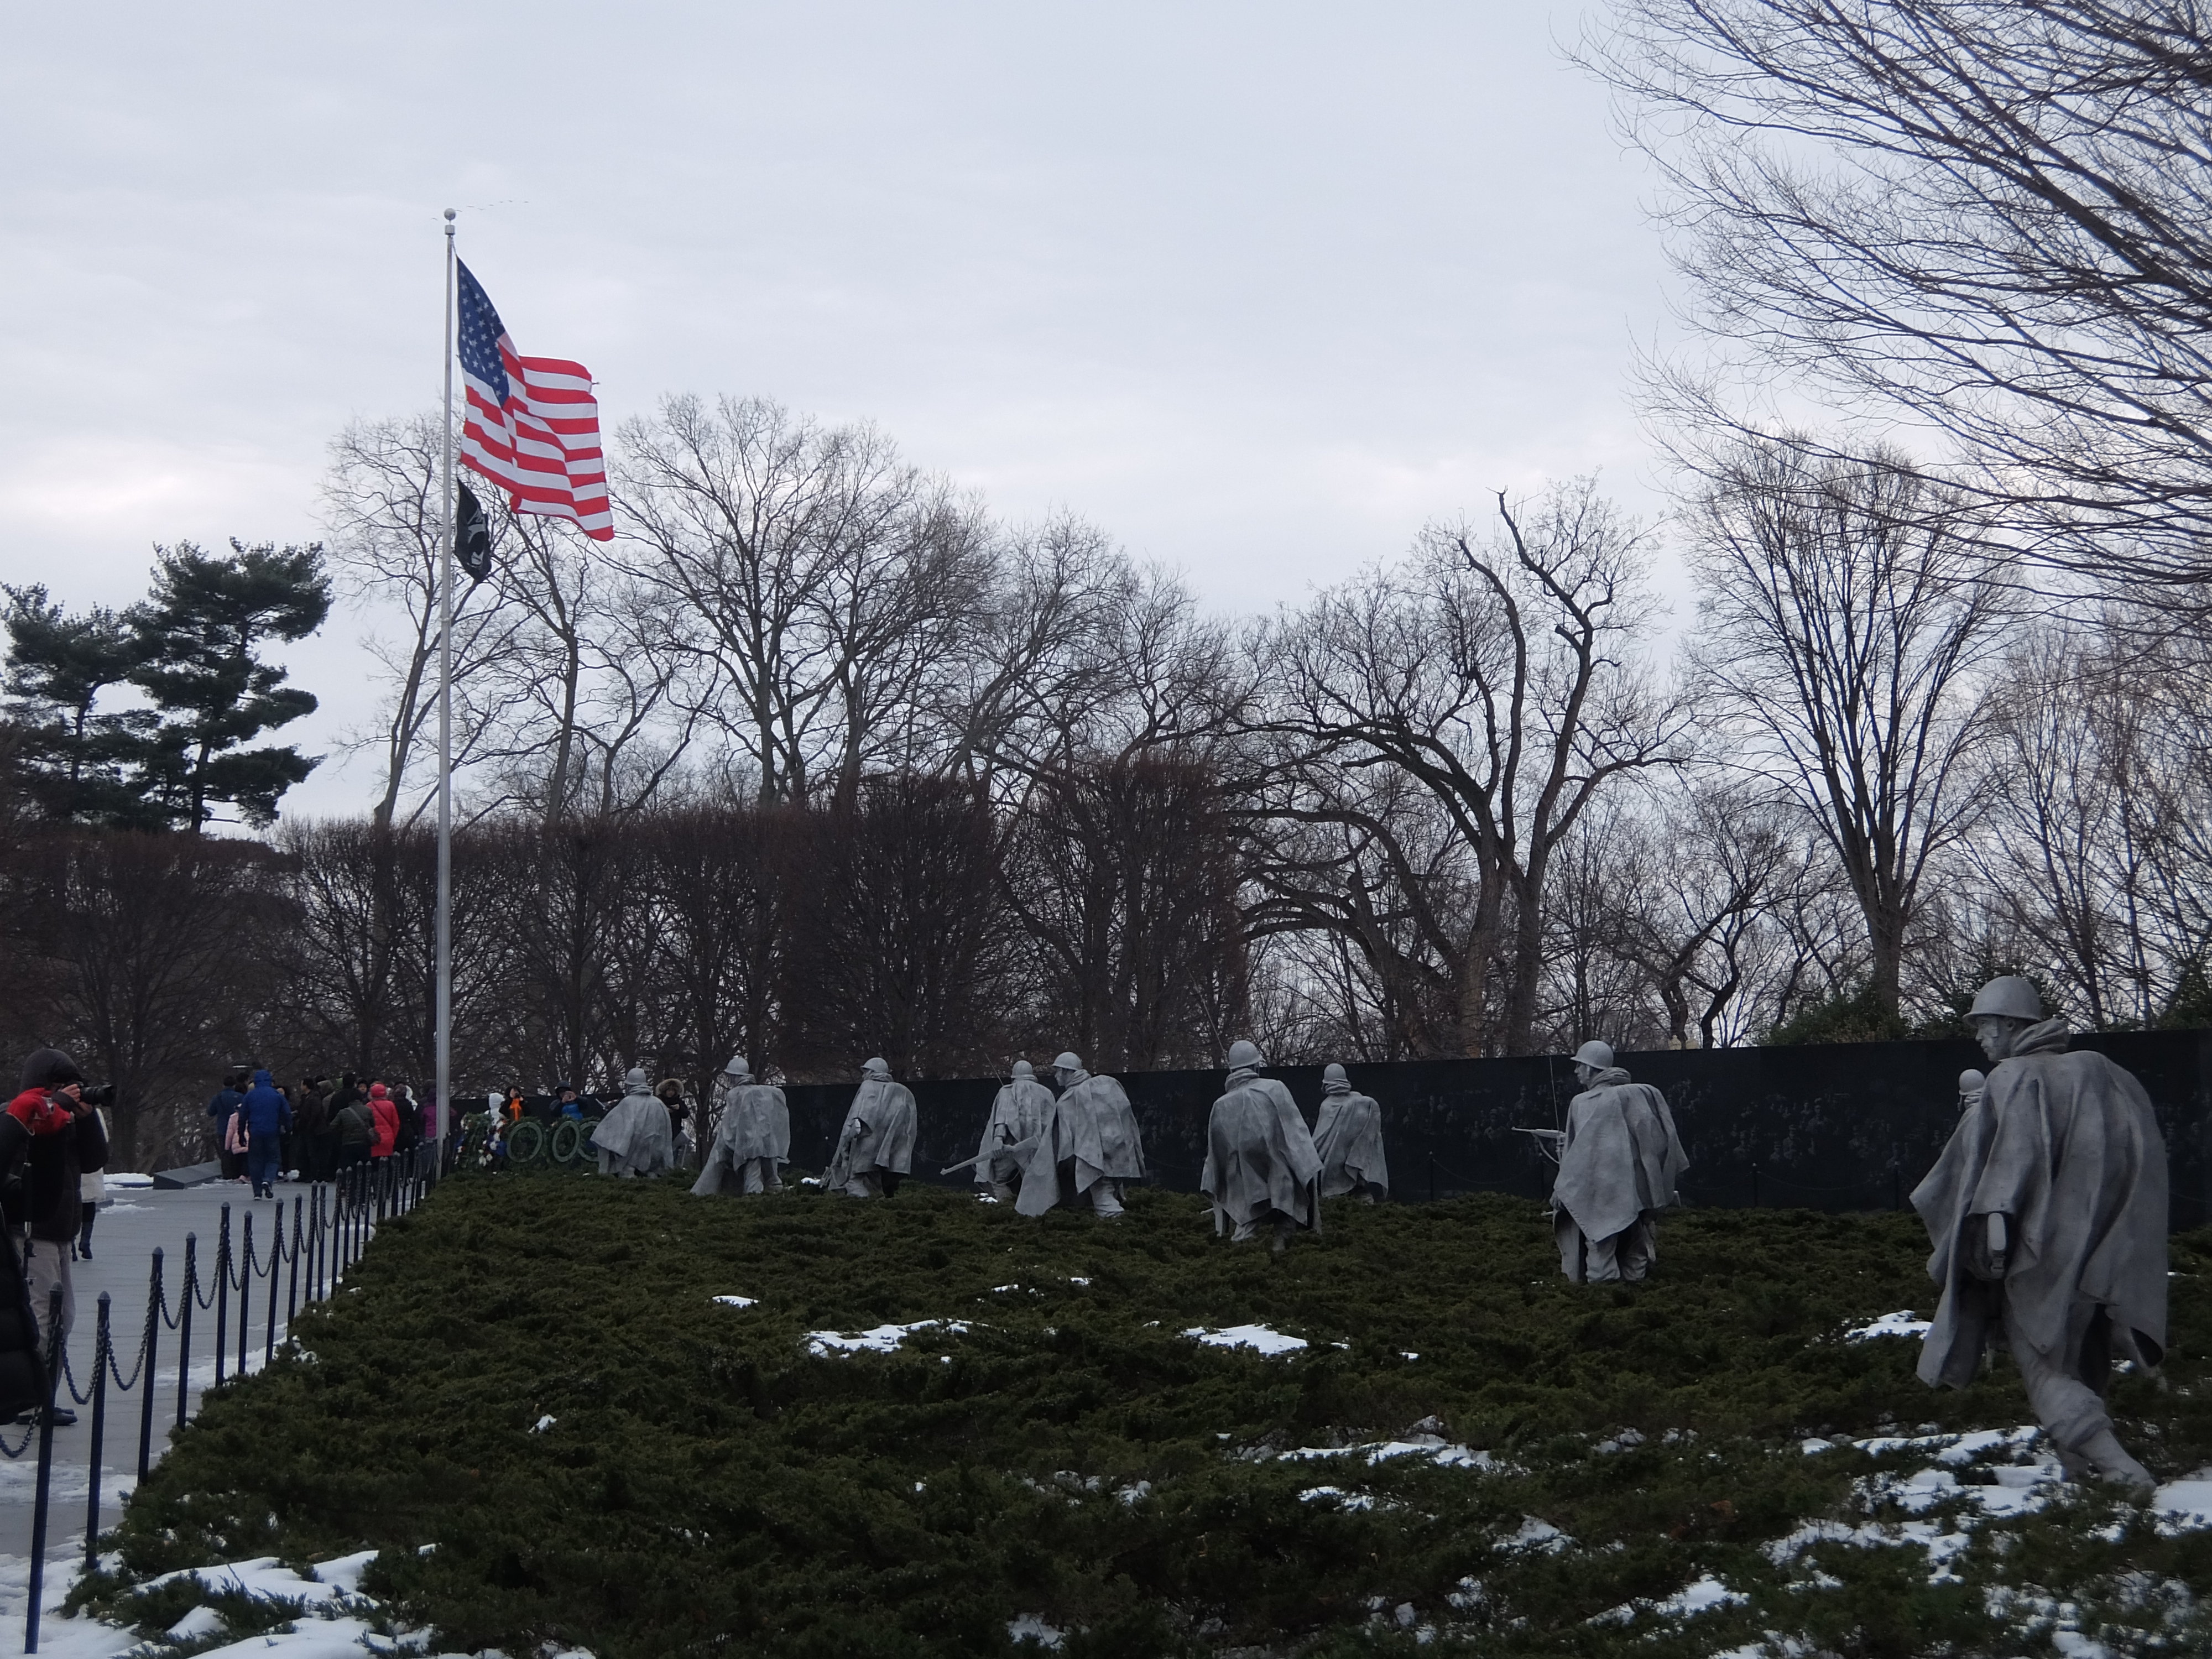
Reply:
x=532, y=426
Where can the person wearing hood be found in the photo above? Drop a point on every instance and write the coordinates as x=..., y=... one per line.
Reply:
x=352, y=1131
x=268, y=1117
x=1088, y=1145
x=752, y=1135
x=1260, y=1163
x=635, y=1138
x=670, y=1093
x=221, y=1109
x=57, y=1135
x=383, y=1121
x=1349, y=1137
x=875, y=1147
x=2047, y=1212
x=1019, y=1112
x=1620, y=1162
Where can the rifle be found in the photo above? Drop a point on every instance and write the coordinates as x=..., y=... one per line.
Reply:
x=1016, y=1150
x=1547, y=1140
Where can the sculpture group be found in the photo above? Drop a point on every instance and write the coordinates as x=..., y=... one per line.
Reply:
x=2046, y=1211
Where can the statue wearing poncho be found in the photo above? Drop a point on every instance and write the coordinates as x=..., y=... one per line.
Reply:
x=1088, y=1144
x=1020, y=1112
x=1620, y=1161
x=1260, y=1164
x=2047, y=1212
x=876, y=1146
x=1349, y=1139
x=752, y=1136
x=635, y=1138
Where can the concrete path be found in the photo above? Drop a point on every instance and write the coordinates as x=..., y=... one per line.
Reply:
x=131, y=1226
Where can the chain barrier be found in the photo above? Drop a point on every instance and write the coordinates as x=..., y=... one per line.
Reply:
x=330, y=1224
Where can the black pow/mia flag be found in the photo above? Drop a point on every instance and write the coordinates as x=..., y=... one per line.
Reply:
x=473, y=537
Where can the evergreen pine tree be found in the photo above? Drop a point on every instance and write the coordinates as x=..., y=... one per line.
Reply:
x=70, y=757
x=195, y=636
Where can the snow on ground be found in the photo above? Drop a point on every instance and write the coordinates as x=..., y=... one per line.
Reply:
x=2183, y=1505
x=1434, y=1446
x=738, y=1301
x=337, y=1621
x=1903, y=1322
x=1259, y=1338
x=1700, y=1596
x=126, y=1178
x=1030, y=1628
x=883, y=1339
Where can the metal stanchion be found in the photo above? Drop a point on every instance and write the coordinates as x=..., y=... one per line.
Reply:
x=38, y=1586
x=146, y=1366
x=101, y=1353
x=184, y=1304
x=245, y=1288
x=221, y=1293
x=276, y=1261
x=292, y=1288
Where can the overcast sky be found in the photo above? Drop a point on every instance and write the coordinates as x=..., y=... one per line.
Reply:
x=1258, y=288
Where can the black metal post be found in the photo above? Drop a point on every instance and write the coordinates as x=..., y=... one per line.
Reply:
x=276, y=1261
x=146, y=1382
x=38, y=1587
x=244, y=1288
x=102, y=1347
x=184, y=1306
x=292, y=1287
x=221, y=1293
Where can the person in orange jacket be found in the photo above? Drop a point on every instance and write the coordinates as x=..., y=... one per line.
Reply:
x=386, y=1134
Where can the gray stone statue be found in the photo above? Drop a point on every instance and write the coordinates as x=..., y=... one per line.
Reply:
x=1620, y=1161
x=635, y=1138
x=1260, y=1164
x=1088, y=1144
x=752, y=1135
x=2047, y=1212
x=1349, y=1137
x=876, y=1147
x=1969, y=1090
x=1019, y=1114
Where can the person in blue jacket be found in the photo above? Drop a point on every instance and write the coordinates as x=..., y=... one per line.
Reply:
x=268, y=1121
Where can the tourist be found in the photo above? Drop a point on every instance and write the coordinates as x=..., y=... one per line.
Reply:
x=222, y=1112
x=39, y=1112
x=356, y=1128
x=410, y=1117
x=1262, y=1168
x=92, y=1189
x=54, y=1185
x=670, y=1092
x=564, y=1096
x=312, y=1130
x=267, y=1115
x=384, y=1120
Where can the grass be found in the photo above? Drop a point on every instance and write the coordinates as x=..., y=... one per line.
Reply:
x=708, y=1486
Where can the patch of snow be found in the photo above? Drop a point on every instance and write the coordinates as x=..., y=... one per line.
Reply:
x=1079, y=1281
x=1813, y=1448
x=985, y=1198
x=129, y=1178
x=883, y=1339
x=1538, y=1535
x=1409, y=1356
x=342, y=1573
x=1701, y=1596
x=1001, y=1290
x=1433, y=1446
x=1258, y=1337
x=1350, y=1500
x=543, y=1424
x=202, y=1620
x=2183, y=1505
x=1030, y=1628
x=810, y=1181
x=1903, y=1322
x=1134, y=1494
x=738, y=1301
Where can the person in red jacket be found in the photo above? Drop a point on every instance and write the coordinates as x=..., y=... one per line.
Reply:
x=386, y=1114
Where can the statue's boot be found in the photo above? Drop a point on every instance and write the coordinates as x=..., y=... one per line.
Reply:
x=2113, y=1465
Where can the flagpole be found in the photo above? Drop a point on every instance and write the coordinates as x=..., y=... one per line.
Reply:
x=445, y=1011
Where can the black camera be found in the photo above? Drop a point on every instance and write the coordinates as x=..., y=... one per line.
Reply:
x=98, y=1094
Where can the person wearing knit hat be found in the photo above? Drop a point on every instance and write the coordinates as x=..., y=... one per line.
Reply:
x=49, y=1127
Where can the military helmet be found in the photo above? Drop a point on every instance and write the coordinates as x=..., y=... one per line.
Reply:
x=2009, y=996
x=1243, y=1055
x=1598, y=1056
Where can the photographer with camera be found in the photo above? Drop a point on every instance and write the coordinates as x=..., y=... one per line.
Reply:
x=51, y=1131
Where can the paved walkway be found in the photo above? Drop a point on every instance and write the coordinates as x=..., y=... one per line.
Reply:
x=137, y=1222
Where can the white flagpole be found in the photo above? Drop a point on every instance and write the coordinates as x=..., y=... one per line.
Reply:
x=445, y=1011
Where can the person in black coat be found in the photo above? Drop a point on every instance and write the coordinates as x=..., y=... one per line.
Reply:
x=54, y=1182
x=38, y=1134
x=221, y=1109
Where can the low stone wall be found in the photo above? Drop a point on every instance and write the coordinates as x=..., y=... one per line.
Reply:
x=1824, y=1127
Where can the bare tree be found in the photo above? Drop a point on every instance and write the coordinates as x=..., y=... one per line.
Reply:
x=1504, y=682
x=1995, y=217
x=1847, y=619
x=822, y=580
x=383, y=502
